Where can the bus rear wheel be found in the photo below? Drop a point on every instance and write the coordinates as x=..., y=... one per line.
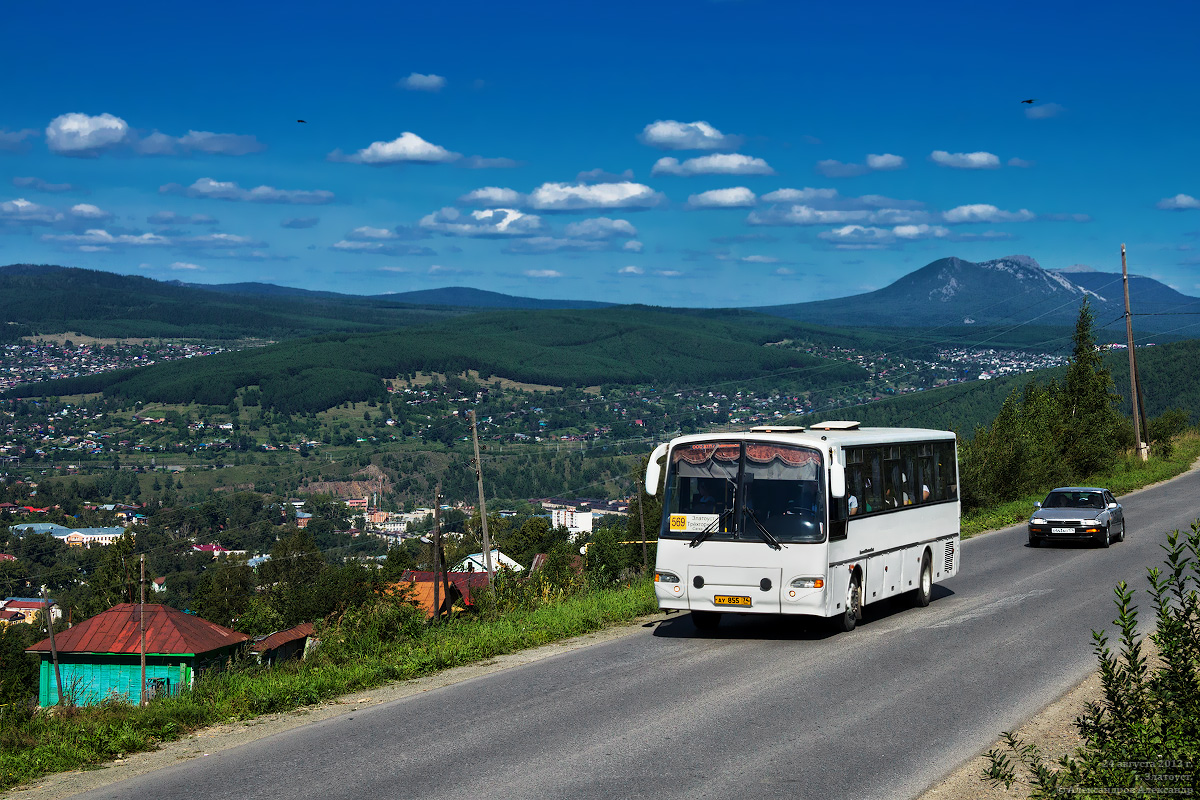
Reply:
x=846, y=621
x=924, y=591
x=705, y=620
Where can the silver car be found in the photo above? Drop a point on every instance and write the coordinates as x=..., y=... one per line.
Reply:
x=1078, y=513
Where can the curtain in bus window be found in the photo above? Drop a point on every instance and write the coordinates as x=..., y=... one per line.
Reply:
x=784, y=493
x=892, y=489
x=873, y=488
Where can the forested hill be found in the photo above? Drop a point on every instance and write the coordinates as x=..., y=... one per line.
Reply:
x=50, y=299
x=1170, y=377
x=456, y=296
x=624, y=345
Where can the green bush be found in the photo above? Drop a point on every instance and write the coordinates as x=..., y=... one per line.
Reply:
x=1143, y=738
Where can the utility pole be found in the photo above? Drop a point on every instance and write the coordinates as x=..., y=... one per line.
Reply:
x=487, y=542
x=142, y=626
x=642, y=522
x=53, y=647
x=1135, y=386
x=437, y=552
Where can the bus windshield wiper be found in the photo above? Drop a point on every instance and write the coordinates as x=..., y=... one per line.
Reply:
x=763, y=533
x=707, y=532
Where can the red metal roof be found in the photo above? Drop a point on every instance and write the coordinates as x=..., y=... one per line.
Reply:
x=168, y=630
x=283, y=637
x=463, y=581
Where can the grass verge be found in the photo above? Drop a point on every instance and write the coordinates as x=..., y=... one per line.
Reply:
x=37, y=743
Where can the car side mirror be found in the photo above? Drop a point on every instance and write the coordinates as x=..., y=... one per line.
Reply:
x=1037, y=503
x=1113, y=505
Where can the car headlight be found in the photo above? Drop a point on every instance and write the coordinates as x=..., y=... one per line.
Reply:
x=666, y=577
x=1090, y=522
x=1037, y=521
x=808, y=583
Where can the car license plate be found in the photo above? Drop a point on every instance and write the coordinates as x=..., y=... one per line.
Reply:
x=731, y=600
x=1062, y=530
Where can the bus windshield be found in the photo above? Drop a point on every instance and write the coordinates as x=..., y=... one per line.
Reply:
x=745, y=491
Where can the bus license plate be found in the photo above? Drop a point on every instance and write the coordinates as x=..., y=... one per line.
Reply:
x=1062, y=530
x=731, y=600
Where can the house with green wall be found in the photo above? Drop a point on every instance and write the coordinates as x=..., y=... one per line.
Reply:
x=100, y=658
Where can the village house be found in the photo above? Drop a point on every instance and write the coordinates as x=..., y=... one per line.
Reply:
x=24, y=610
x=100, y=658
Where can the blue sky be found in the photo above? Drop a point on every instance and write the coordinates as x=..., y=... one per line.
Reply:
x=672, y=153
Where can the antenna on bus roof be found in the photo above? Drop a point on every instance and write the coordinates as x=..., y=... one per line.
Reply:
x=836, y=425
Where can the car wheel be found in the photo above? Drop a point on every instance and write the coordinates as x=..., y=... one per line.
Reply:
x=1121, y=535
x=1035, y=541
x=924, y=590
x=1105, y=538
x=853, y=607
x=705, y=620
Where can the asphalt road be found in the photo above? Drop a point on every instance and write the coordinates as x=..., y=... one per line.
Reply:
x=759, y=709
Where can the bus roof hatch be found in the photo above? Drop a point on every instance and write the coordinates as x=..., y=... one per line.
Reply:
x=837, y=425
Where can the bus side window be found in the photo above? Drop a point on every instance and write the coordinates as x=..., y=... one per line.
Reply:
x=873, y=458
x=838, y=510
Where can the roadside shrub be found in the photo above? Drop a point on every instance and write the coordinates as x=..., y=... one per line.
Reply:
x=1143, y=738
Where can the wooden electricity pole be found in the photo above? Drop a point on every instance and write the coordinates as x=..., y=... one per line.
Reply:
x=642, y=522
x=53, y=647
x=437, y=552
x=142, y=626
x=487, y=542
x=1135, y=385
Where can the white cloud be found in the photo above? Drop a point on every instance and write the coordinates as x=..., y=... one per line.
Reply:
x=543, y=273
x=299, y=223
x=14, y=141
x=601, y=228
x=366, y=234
x=632, y=246
x=1067, y=217
x=581, y=196
x=1179, y=202
x=219, y=240
x=668, y=273
x=24, y=212
x=983, y=212
x=228, y=190
x=184, y=265
x=1043, y=111
x=631, y=270
x=492, y=196
x=487, y=223
x=1020, y=163
x=804, y=195
x=83, y=136
x=102, y=238
x=416, y=82
x=88, y=211
x=860, y=237
x=920, y=231
x=669, y=134
x=735, y=197
x=806, y=215
x=541, y=245
x=479, y=162
x=715, y=164
x=602, y=176
x=978, y=160
x=885, y=161
x=759, y=260
x=381, y=247
x=406, y=148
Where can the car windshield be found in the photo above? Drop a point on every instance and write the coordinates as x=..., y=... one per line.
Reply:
x=1074, y=500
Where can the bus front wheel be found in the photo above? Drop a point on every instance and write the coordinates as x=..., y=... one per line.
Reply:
x=853, y=607
x=924, y=590
x=705, y=620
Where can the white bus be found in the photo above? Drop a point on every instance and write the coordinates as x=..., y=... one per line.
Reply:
x=820, y=520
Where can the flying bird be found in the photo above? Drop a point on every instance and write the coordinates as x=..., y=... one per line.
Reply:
x=1023, y=101
x=306, y=121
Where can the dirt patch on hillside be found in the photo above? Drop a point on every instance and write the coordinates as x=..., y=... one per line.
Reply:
x=366, y=483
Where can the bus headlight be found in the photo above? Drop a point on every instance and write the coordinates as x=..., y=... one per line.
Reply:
x=665, y=577
x=808, y=583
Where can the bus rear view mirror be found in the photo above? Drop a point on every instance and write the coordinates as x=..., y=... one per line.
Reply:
x=654, y=469
x=837, y=480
